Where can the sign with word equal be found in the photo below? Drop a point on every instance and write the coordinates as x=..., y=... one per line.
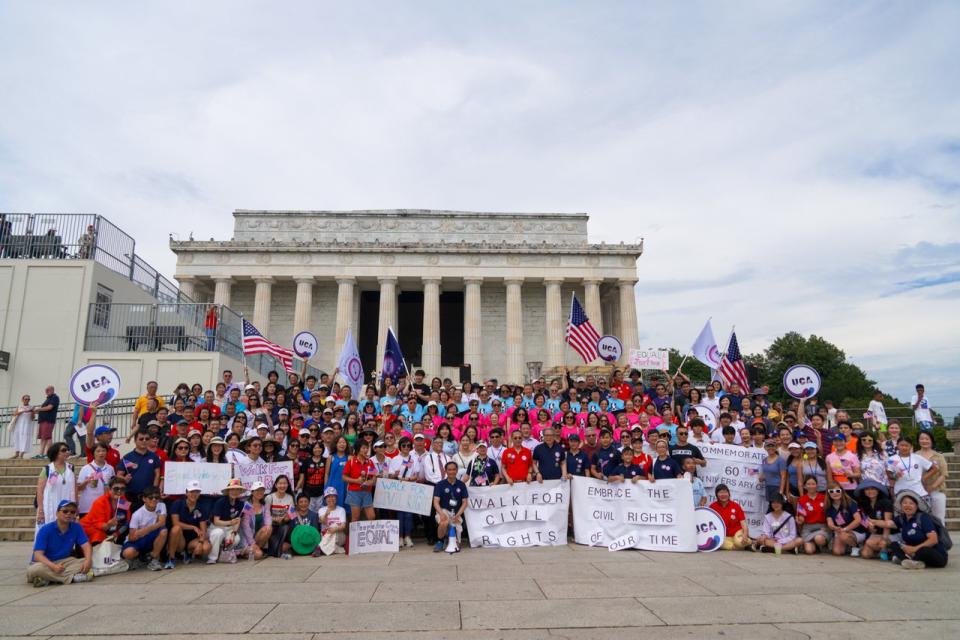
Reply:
x=374, y=536
x=656, y=359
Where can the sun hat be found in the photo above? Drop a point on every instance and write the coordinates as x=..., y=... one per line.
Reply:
x=922, y=505
x=304, y=539
x=871, y=484
x=232, y=485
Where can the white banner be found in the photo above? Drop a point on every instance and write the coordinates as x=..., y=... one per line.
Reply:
x=374, y=536
x=212, y=477
x=738, y=468
x=396, y=495
x=657, y=359
x=528, y=514
x=265, y=472
x=656, y=516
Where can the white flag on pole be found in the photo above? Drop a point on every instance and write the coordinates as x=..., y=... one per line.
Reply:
x=705, y=347
x=349, y=364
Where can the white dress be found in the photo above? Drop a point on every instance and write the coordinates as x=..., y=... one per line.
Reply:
x=59, y=486
x=23, y=431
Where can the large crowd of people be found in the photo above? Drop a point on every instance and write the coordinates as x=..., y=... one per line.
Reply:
x=834, y=485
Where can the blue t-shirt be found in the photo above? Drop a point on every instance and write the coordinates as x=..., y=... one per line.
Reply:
x=664, y=469
x=628, y=472
x=50, y=416
x=914, y=530
x=548, y=460
x=194, y=516
x=605, y=460
x=577, y=463
x=772, y=470
x=142, y=468
x=57, y=545
x=451, y=494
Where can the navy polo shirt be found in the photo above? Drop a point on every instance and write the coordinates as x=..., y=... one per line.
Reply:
x=665, y=469
x=605, y=460
x=141, y=468
x=227, y=510
x=549, y=459
x=194, y=516
x=577, y=463
x=628, y=471
x=57, y=545
x=451, y=494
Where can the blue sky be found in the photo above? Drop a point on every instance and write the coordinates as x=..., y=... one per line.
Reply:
x=791, y=166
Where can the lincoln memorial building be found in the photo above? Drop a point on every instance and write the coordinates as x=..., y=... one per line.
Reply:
x=488, y=290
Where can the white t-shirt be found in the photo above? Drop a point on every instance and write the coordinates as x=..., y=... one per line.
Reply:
x=913, y=466
x=879, y=412
x=717, y=435
x=922, y=412
x=90, y=493
x=142, y=517
x=713, y=403
x=405, y=467
x=337, y=517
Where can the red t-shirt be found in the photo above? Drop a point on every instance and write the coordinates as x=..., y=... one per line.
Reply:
x=732, y=515
x=643, y=461
x=517, y=464
x=214, y=409
x=356, y=469
x=814, y=510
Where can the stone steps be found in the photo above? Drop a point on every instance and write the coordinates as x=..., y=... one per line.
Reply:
x=17, y=534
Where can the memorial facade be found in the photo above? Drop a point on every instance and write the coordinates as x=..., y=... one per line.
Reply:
x=488, y=290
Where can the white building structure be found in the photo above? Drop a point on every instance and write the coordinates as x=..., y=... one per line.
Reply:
x=488, y=290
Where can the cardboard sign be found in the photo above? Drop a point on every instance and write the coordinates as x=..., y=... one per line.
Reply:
x=657, y=359
x=610, y=348
x=95, y=383
x=374, y=536
x=656, y=516
x=409, y=497
x=265, y=472
x=305, y=344
x=801, y=381
x=528, y=514
x=212, y=477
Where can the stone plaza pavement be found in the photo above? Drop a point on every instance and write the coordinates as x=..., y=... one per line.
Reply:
x=561, y=592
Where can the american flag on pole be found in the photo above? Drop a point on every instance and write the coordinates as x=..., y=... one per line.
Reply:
x=732, y=368
x=254, y=342
x=581, y=334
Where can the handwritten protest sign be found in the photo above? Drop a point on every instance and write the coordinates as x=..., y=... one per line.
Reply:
x=657, y=359
x=265, y=472
x=211, y=476
x=373, y=536
x=656, y=516
x=410, y=497
x=528, y=514
x=739, y=469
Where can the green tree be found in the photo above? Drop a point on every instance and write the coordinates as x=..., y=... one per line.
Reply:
x=692, y=368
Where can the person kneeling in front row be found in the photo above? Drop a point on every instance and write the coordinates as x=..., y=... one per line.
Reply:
x=53, y=548
x=920, y=546
x=738, y=532
x=450, y=501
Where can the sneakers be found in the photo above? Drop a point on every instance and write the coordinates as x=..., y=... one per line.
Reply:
x=285, y=556
x=187, y=557
x=437, y=548
x=154, y=565
x=408, y=542
x=913, y=564
x=896, y=560
x=855, y=552
x=82, y=577
x=40, y=582
x=211, y=561
x=169, y=564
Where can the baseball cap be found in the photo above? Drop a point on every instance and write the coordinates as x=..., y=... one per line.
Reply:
x=257, y=485
x=573, y=436
x=193, y=485
x=793, y=445
x=330, y=491
x=378, y=443
x=249, y=387
x=325, y=429
x=65, y=503
x=104, y=429
x=419, y=436
x=810, y=445
x=481, y=444
x=283, y=412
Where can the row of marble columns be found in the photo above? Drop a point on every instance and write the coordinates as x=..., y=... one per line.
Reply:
x=555, y=321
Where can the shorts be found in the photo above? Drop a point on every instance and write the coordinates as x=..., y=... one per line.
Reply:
x=772, y=492
x=860, y=536
x=359, y=499
x=45, y=430
x=809, y=531
x=189, y=536
x=144, y=544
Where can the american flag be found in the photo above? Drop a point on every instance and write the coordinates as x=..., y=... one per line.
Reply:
x=732, y=368
x=581, y=334
x=254, y=342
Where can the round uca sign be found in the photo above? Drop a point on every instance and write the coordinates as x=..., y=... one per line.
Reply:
x=305, y=345
x=710, y=529
x=95, y=383
x=801, y=381
x=610, y=348
x=708, y=415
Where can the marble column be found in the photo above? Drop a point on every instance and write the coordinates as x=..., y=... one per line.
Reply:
x=261, y=305
x=628, y=318
x=222, y=287
x=591, y=301
x=554, y=324
x=516, y=368
x=472, y=332
x=345, y=285
x=387, y=317
x=303, y=307
x=430, y=353
x=188, y=287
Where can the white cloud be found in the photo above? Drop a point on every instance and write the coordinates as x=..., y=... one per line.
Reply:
x=785, y=163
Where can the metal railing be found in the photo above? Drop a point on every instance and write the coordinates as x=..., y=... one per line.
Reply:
x=174, y=327
x=82, y=236
x=116, y=414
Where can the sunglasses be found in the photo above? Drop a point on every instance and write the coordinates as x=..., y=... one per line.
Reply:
x=118, y=489
x=835, y=491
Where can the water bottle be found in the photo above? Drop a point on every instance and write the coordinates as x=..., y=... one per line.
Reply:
x=251, y=556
